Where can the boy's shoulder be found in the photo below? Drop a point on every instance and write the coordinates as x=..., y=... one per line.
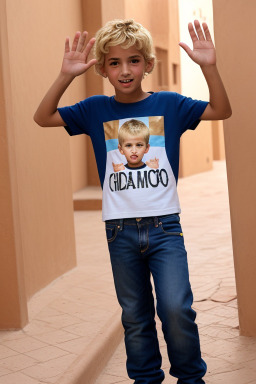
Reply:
x=94, y=103
x=96, y=99
x=160, y=94
x=154, y=97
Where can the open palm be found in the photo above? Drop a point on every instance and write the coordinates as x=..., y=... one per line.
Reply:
x=75, y=60
x=203, y=52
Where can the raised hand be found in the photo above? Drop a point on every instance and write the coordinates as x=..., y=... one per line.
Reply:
x=153, y=163
x=203, y=52
x=75, y=60
x=118, y=167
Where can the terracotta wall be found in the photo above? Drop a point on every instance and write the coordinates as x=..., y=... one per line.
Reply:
x=236, y=57
x=218, y=145
x=13, y=307
x=42, y=209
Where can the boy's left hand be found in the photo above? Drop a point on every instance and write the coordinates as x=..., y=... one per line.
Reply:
x=153, y=163
x=203, y=52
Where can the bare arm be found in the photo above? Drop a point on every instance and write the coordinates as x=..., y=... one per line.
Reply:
x=219, y=107
x=204, y=54
x=74, y=64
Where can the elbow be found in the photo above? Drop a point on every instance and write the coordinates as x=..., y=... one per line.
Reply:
x=228, y=111
x=224, y=114
x=38, y=121
x=228, y=114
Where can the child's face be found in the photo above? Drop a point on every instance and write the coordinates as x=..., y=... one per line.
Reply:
x=125, y=69
x=134, y=148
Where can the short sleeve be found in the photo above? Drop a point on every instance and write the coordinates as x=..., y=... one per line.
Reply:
x=189, y=112
x=76, y=118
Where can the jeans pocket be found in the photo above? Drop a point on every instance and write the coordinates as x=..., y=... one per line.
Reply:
x=171, y=226
x=111, y=232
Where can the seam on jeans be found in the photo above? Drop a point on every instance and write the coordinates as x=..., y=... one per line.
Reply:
x=144, y=250
x=114, y=236
x=170, y=233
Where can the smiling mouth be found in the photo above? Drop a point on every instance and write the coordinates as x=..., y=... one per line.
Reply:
x=126, y=81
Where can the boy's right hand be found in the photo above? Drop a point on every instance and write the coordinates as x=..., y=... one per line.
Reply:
x=75, y=60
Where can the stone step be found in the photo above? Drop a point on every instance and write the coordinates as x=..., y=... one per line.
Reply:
x=88, y=199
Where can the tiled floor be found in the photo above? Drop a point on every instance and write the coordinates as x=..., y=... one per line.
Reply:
x=67, y=316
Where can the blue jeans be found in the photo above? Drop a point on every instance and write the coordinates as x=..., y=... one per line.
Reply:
x=138, y=249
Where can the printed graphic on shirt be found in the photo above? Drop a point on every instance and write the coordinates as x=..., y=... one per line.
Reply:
x=139, y=180
x=136, y=152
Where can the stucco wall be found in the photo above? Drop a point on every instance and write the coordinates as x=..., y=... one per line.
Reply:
x=36, y=33
x=236, y=57
x=13, y=301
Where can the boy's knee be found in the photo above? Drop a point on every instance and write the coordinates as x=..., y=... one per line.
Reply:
x=177, y=312
x=137, y=315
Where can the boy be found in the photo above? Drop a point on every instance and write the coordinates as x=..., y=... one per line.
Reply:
x=133, y=143
x=133, y=138
x=139, y=145
x=142, y=214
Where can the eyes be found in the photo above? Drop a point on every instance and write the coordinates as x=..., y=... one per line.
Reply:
x=138, y=145
x=116, y=62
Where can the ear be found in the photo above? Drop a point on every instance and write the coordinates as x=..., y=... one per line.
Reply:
x=150, y=66
x=120, y=149
x=147, y=148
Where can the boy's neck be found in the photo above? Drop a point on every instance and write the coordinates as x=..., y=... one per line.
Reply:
x=131, y=98
x=130, y=166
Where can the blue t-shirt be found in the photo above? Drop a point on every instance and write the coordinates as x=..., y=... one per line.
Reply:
x=143, y=191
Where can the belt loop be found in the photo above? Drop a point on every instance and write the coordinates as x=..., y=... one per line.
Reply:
x=121, y=224
x=156, y=222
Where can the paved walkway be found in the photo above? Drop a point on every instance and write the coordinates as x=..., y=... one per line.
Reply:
x=74, y=322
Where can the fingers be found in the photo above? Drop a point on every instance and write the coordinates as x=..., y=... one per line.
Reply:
x=197, y=33
x=207, y=32
x=192, y=33
x=91, y=63
x=80, y=46
x=79, y=43
x=186, y=48
x=67, y=48
x=89, y=47
x=75, y=41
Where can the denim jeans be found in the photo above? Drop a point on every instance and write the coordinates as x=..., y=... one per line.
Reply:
x=138, y=249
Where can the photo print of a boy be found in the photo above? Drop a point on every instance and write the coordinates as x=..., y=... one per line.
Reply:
x=133, y=143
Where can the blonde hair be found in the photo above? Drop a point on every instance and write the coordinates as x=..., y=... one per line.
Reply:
x=133, y=127
x=125, y=33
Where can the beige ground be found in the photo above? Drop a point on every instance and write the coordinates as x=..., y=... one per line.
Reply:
x=74, y=323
